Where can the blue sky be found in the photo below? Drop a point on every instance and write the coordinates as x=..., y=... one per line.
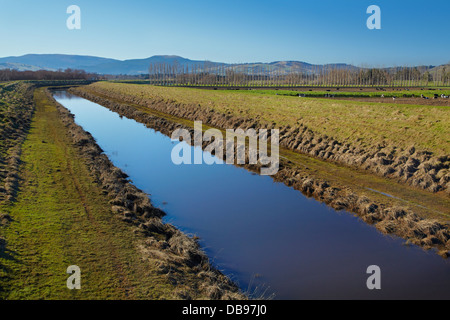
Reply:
x=321, y=31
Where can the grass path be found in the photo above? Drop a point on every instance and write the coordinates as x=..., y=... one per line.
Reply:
x=62, y=218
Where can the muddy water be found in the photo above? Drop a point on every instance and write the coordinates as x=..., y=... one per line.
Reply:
x=268, y=237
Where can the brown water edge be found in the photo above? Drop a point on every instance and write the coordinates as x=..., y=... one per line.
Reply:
x=176, y=255
x=388, y=214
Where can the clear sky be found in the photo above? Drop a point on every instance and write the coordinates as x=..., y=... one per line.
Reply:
x=321, y=31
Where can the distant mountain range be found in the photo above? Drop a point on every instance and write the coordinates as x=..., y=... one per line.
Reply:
x=100, y=65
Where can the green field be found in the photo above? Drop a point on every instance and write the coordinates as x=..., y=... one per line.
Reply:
x=389, y=93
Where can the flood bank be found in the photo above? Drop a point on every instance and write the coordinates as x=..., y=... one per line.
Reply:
x=400, y=221
x=16, y=111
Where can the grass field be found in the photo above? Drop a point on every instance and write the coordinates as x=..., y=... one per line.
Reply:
x=358, y=123
x=388, y=93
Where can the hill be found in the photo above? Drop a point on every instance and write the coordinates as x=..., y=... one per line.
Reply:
x=101, y=65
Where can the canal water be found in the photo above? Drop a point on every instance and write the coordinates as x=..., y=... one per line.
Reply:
x=269, y=238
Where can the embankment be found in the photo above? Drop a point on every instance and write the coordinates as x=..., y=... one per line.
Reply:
x=16, y=111
x=389, y=219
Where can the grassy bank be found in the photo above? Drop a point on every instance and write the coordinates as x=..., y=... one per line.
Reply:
x=16, y=109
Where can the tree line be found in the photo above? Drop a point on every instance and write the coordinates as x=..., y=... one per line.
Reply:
x=208, y=74
x=68, y=74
